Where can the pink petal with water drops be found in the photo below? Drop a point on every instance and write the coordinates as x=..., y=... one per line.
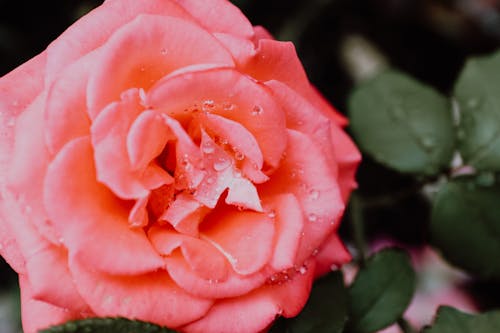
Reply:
x=241, y=140
x=221, y=174
x=285, y=210
x=314, y=185
x=89, y=217
x=245, y=238
x=150, y=297
x=154, y=46
x=275, y=60
x=96, y=27
x=251, y=105
x=332, y=255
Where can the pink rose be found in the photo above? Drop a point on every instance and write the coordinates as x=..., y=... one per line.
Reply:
x=166, y=161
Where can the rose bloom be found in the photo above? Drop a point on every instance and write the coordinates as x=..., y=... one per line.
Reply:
x=166, y=161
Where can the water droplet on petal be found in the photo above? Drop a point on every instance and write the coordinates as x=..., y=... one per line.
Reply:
x=208, y=147
x=238, y=155
x=163, y=51
x=303, y=270
x=221, y=164
x=313, y=194
x=312, y=217
x=208, y=105
x=257, y=110
x=210, y=180
x=271, y=214
x=227, y=106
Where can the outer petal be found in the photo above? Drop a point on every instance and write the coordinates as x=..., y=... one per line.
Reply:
x=14, y=101
x=154, y=46
x=95, y=28
x=331, y=255
x=36, y=314
x=28, y=167
x=255, y=311
x=89, y=217
x=153, y=297
x=314, y=185
x=278, y=61
x=66, y=110
x=219, y=16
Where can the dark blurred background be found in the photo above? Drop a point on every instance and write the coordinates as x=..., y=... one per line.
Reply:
x=430, y=39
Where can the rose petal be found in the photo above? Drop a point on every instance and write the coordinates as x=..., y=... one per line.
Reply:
x=154, y=46
x=205, y=260
x=138, y=216
x=235, y=97
x=221, y=174
x=289, y=222
x=147, y=138
x=13, y=101
x=29, y=162
x=275, y=60
x=66, y=110
x=255, y=311
x=332, y=254
x=235, y=284
x=185, y=214
x=241, y=49
x=40, y=260
x=151, y=297
x=315, y=187
x=37, y=314
x=261, y=33
x=95, y=28
x=245, y=238
x=219, y=16
x=109, y=138
x=89, y=217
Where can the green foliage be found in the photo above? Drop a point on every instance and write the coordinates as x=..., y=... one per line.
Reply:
x=479, y=99
x=465, y=224
x=403, y=123
x=450, y=320
x=326, y=310
x=381, y=291
x=107, y=325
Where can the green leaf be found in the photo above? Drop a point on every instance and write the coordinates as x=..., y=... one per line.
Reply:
x=381, y=291
x=325, y=311
x=476, y=92
x=465, y=224
x=450, y=320
x=106, y=325
x=403, y=123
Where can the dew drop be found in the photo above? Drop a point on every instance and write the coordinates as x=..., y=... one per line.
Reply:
x=428, y=142
x=312, y=217
x=221, y=164
x=257, y=110
x=313, y=194
x=208, y=147
x=315, y=252
x=228, y=106
x=238, y=155
x=334, y=267
x=473, y=103
x=210, y=180
x=237, y=174
x=271, y=214
x=163, y=51
x=142, y=69
x=208, y=105
x=303, y=270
